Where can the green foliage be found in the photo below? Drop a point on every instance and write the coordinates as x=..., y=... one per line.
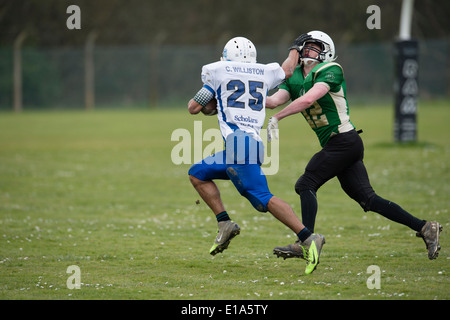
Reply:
x=99, y=190
x=209, y=21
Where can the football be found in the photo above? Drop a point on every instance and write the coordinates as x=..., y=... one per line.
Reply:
x=211, y=108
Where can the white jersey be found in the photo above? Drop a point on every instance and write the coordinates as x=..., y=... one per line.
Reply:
x=241, y=90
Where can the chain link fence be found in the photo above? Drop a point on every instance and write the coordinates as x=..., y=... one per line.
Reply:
x=157, y=76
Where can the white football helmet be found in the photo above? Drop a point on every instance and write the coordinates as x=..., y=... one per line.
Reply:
x=239, y=49
x=327, y=52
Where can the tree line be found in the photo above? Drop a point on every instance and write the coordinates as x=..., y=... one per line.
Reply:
x=197, y=22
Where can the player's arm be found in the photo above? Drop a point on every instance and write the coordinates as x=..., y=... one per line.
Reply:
x=296, y=106
x=303, y=102
x=323, y=84
x=277, y=99
x=201, y=99
x=194, y=107
x=292, y=60
x=290, y=63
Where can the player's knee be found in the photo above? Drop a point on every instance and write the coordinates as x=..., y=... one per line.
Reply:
x=364, y=198
x=369, y=203
x=302, y=184
x=257, y=203
x=259, y=199
x=298, y=188
x=194, y=170
x=364, y=205
x=194, y=181
x=364, y=202
x=198, y=172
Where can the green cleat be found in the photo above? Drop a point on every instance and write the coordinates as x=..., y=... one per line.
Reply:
x=311, y=251
x=227, y=231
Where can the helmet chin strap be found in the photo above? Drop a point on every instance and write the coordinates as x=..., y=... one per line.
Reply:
x=309, y=61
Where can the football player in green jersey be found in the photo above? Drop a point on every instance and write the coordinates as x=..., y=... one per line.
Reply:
x=317, y=89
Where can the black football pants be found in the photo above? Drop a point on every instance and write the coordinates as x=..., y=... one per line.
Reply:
x=342, y=157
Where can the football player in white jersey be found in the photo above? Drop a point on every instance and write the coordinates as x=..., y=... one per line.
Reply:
x=240, y=86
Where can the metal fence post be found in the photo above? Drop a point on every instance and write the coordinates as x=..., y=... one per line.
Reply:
x=17, y=72
x=89, y=71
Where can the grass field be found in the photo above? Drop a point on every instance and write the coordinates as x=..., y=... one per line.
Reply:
x=98, y=190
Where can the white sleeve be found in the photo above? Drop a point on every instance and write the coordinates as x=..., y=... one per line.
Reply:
x=208, y=77
x=278, y=75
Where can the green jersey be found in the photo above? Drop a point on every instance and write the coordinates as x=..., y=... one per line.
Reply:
x=329, y=115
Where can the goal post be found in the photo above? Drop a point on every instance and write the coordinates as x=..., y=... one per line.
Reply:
x=406, y=75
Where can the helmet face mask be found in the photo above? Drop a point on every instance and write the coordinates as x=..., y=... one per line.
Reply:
x=305, y=53
x=239, y=49
x=326, y=53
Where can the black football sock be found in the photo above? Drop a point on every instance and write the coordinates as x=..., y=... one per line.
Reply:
x=223, y=216
x=308, y=201
x=394, y=212
x=304, y=234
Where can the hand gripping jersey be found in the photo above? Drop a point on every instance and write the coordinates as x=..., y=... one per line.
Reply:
x=241, y=90
x=329, y=115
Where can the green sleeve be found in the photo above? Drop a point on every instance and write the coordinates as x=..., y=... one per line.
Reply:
x=332, y=75
x=285, y=86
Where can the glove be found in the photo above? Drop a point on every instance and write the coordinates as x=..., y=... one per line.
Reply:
x=272, y=129
x=300, y=41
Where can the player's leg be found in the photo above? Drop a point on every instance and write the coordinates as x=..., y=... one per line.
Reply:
x=308, y=246
x=201, y=176
x=210, y=193
x=339, y=153
x=323, y=166
x=356, y=184
x=282, y=211
x=336, y=155
x=252, y=184
x=308, y=184
x=319, y=170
